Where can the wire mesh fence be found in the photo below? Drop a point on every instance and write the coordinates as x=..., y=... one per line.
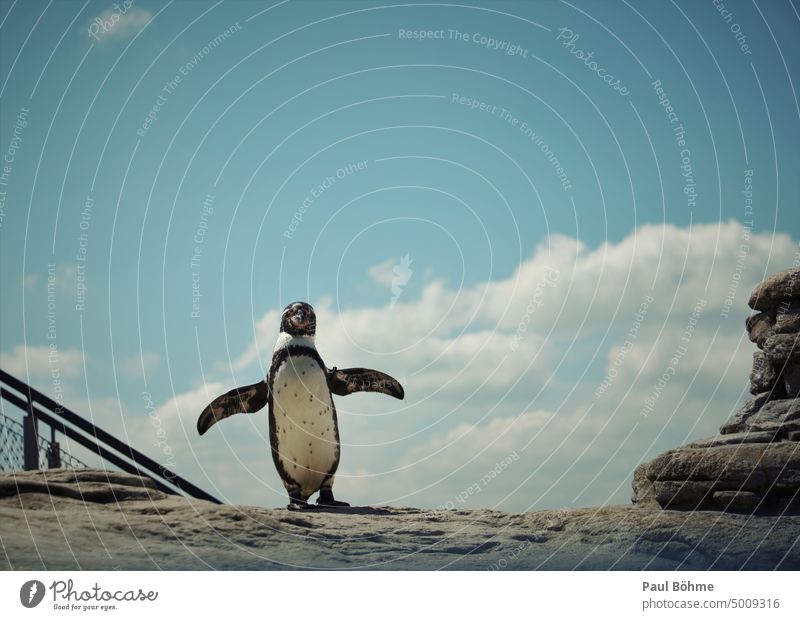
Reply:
x=21, y=447
x=12, y=449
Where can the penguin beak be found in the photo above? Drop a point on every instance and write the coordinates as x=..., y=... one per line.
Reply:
x=299, y=319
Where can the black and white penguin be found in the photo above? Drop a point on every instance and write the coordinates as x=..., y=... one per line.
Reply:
x=303, y=430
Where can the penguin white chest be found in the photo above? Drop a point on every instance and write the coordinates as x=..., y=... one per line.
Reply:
x=305, y=429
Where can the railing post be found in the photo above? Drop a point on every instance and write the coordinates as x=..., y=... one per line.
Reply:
x=53, y=452
x=30, y=439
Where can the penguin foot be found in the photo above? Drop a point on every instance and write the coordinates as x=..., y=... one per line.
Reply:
x=326, y=499
x=334, y=502
x=294, y=505
x=297, y=501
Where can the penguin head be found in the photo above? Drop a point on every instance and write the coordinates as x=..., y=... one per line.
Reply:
x=298, y=319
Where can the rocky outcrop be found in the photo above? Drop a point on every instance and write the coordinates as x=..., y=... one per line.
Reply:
x=93, y=519
x=753, y=465
x=775, y=329
x=777, y=290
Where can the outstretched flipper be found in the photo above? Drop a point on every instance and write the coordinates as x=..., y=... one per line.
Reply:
x=345, y=381
x=247, y=399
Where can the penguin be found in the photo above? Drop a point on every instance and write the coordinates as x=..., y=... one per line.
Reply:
x=298, y=391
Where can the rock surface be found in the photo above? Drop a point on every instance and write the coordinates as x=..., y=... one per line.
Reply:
x=777, y=289
x=761, y=414
x=753, y=466
x=92, y=519
x=706, y=477
x=764, y=375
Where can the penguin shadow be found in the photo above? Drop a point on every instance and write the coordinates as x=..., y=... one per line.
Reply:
x=345, y=510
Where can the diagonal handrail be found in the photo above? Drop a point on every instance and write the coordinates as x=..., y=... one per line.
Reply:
x=94, y=438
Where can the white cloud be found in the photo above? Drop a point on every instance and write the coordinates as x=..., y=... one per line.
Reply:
x=496, y=438
x=382, y=273
x=513, y=365
x=509, y=327
x=42, y=361
x=187, y=406
x=61, y=280
x=265, y=336
x=66, y=279
x=393, y=275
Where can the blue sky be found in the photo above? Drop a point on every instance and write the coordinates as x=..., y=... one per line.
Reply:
x=520, y=154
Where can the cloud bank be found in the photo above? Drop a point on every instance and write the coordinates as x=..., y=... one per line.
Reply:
x=543, y=389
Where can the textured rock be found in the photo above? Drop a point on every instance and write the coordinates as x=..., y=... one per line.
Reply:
x=733, y=439
x=90, y=485
x=678, y=494
x=764, y=374
x=776, y=416
x=759, y=327
x=690, y=478
x=737, y=501
x=776, y=332
x=775, y=290
x=787, y=319
x=791, y=379
x=50, y=531
x=738, y=422
x=781, y=347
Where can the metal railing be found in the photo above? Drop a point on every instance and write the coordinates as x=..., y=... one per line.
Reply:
x=12, y=448
x=39, y=408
